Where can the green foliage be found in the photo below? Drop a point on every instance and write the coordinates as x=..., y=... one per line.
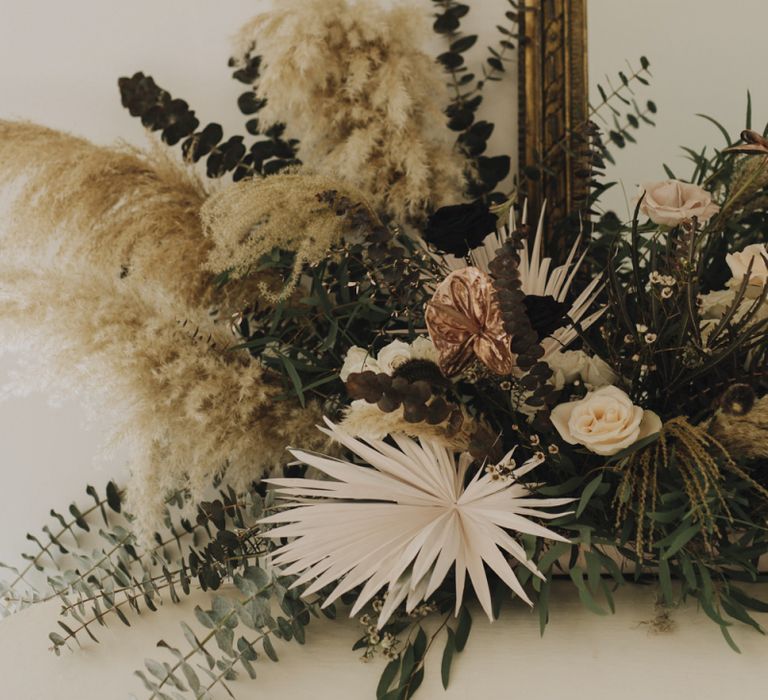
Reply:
x=240, y=629
x=467, y=90
x=647, y=327
x=624, y=114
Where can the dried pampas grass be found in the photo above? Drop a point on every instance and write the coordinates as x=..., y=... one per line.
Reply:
x=104, y=287
x=351, y=80
x=118, y=210
x=368, y=421
x=251, y=218
x=744, y=431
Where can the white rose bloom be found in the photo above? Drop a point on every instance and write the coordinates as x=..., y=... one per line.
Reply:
x=569, y=365
x=357, y=360
x=715, y=304
x=566, y=366
x=391, y=356
x=423, y=349
x=757, y=254
x=604, y=421
x=597, y=373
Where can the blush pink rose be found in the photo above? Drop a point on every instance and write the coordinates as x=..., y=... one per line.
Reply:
x=670, y=202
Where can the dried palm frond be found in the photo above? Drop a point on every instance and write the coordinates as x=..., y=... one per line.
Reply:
x=539, y=280
x=403, y=523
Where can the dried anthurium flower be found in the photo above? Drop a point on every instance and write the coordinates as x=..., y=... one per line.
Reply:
x=464, y=322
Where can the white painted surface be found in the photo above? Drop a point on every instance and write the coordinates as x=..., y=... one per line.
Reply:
x=58, y=65
x=704, y=57
x=580, y=657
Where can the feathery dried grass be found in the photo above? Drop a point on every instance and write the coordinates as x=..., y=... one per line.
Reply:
x=250, y=218
x=744, y=434
x=351, y=80
x=368, y=421
x=115, y=209
x=103, y=257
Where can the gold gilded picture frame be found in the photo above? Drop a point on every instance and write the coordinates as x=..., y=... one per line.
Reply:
x=554, y=111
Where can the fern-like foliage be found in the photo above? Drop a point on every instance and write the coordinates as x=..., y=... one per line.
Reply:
x=174, y=119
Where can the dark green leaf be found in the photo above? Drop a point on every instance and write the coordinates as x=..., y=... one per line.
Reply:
x=495, y=63
x=464, y=44
x=450, y=648
x=681, y=539
x=113, y=497
x=387, y=676
x=587, y=493
x=463, y=627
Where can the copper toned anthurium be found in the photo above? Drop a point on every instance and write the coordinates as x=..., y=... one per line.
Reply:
x=464, y=322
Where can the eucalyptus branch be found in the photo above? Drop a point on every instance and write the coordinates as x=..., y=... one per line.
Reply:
x=636, y=75
x=419, y=666
x=242, y=654
x=112, y=499
x=207, y=638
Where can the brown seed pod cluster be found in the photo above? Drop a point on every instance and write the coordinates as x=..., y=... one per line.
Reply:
x=416, y=398
x=505, y=272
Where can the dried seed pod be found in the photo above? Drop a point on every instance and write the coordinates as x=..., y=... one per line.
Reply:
x=364, y=385
x=528, y=319
x=438, y=411
x=738, y=400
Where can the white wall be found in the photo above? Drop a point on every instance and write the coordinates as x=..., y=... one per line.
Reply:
x=704, y=54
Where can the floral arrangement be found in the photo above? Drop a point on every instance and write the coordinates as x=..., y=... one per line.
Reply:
x=356, y=381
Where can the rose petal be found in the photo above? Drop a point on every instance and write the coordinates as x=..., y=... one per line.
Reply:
x=650, y=424
x=560, y=417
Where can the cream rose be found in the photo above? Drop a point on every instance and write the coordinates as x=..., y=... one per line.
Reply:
x=569, y=365
x=757, y=254
x=424, y=349
x=391, y=356
x=604, y=421
x=357, y=360
x=670, y=202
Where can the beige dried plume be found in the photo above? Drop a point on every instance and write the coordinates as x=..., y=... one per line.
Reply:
x=350, y=79
x=250, y=218
x=103, y=286
x=369, y=422
x=741, y=423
